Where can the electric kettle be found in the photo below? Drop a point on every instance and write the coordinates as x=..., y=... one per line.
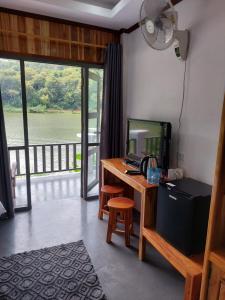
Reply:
x=148, y=162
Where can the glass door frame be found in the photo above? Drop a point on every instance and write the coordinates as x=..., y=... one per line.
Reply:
x=25, y=146
x=26, y=136
x=84, y=117
x=85, y=130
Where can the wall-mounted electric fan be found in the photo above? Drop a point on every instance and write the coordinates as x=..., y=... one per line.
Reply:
x=158, y=21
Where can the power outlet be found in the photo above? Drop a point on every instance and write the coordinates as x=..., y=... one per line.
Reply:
x=181, y=157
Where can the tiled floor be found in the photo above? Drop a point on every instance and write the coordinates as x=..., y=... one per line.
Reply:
x=60, y=216
x=54, y=186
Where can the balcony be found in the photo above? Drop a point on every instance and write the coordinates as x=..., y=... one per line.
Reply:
x=55, y=171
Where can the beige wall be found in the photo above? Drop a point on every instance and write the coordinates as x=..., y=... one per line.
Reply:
x=153, y=84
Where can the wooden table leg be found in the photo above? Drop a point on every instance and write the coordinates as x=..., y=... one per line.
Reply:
x=142, y=243
x=101, y=206
x=142, y=246
x=192, y=287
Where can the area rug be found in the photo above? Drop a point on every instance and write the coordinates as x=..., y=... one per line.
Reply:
x=62, y=272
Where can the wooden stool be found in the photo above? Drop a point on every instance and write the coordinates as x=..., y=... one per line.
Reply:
x=120, y=206
x=108, y=192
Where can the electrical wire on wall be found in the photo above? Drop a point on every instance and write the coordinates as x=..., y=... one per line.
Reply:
x=181, y=112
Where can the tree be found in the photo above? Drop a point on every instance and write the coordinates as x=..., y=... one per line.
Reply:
x=47, y=86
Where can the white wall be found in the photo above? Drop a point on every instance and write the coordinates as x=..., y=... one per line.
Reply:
x=153, y=84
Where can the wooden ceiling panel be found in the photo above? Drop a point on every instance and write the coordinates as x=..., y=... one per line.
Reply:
x=24, y=35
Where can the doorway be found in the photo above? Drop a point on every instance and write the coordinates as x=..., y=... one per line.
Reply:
x=92, y=110
x=52, y=115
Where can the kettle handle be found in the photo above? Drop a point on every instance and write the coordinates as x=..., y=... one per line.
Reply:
x=144, y=166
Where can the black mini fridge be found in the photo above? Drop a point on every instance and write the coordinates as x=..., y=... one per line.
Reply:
x=182, y=214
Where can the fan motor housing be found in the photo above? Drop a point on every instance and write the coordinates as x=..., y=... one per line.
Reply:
x=158, y=22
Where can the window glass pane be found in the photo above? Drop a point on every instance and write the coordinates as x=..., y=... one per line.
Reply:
x=95, y=88
x=95, y=93
x=93, y=170
x=10, y=82
x=54, y=117
x=54, y=103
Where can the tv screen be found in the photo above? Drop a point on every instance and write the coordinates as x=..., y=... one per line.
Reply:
x=149, y=138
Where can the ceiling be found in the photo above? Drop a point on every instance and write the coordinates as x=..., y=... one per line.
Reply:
x=102, y=3
x=114, y=14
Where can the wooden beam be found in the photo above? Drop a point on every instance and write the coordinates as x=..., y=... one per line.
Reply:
x=43, y=38
x=55, y=20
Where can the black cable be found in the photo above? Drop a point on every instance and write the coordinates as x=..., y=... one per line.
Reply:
x=181, y=111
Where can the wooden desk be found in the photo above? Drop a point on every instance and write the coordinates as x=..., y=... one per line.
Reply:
x=113, y=171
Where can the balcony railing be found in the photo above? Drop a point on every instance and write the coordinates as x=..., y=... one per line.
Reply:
x=48, y=158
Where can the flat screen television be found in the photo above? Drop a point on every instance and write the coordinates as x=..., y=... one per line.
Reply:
x=149, y=138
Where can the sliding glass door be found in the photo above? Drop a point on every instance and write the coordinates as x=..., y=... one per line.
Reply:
x=53, y=125
x=92, y=110
x=12, y=83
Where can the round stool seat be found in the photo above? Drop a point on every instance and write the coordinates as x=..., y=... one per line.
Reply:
x=121, y=203
x=124, y=207
x=112, y=189
x=108, y=192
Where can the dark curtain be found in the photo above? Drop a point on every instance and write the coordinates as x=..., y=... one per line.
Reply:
x=112, y=114
x=5, y=176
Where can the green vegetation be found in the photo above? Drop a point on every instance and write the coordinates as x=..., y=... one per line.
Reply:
x=38, y=109
x=48, y=87
x=78, y=165
x=78, y=157
x=9, y=108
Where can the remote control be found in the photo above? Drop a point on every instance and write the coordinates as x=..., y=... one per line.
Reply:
x=132, y=172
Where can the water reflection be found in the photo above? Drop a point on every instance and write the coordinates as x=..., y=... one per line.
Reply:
x=49, y=188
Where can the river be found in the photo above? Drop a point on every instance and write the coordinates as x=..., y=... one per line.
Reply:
x=43, y=128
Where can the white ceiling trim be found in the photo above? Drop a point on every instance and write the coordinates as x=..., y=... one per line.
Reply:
x=102, y=3
x=123, y=15
x=86, y=8
x=79, y=7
